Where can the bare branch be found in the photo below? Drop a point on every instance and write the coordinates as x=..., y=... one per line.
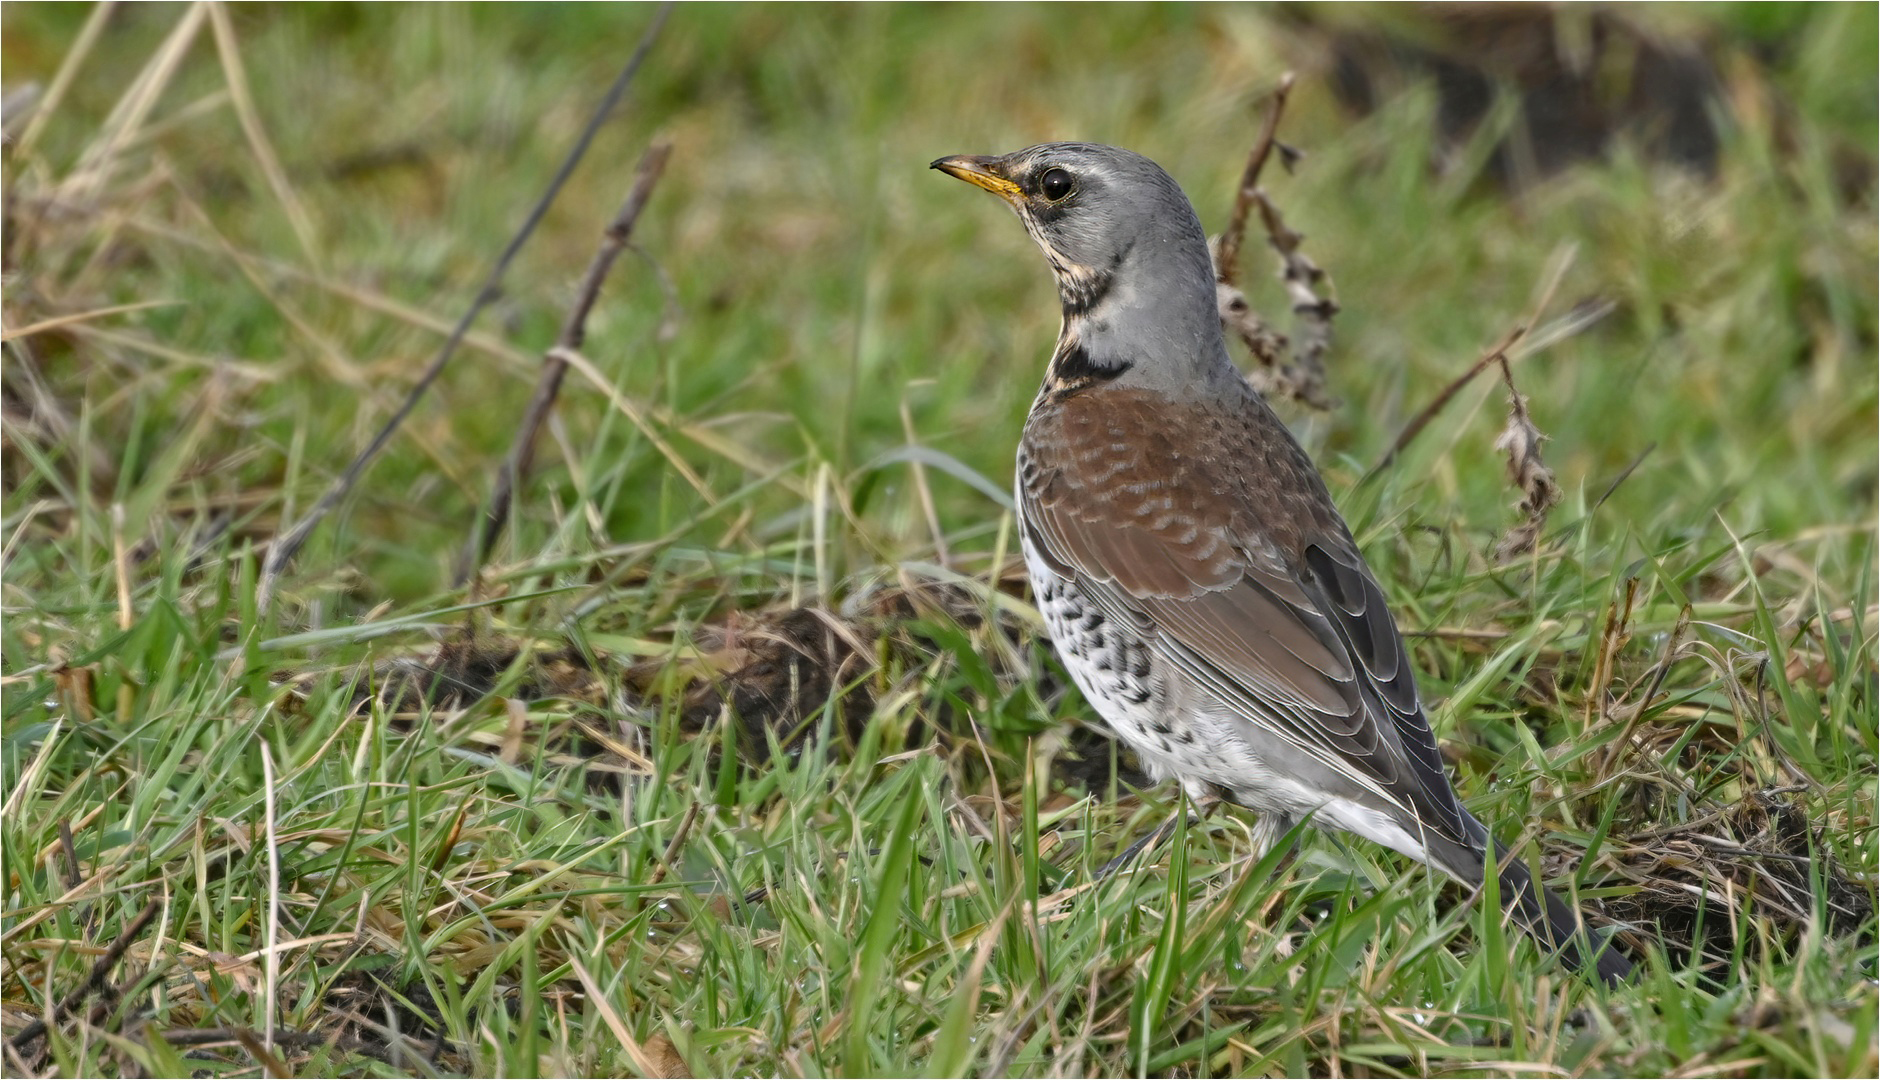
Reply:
x=1284, y=371
x=284, y=546
x=555, y=363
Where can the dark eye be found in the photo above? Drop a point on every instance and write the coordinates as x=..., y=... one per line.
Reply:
x=1056, y=183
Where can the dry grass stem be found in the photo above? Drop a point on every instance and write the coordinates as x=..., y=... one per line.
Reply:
x=1409, y=432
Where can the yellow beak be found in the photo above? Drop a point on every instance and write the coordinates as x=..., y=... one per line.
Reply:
x=982, y=172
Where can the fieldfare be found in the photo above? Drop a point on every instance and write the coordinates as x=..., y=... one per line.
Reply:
x=1198, y=581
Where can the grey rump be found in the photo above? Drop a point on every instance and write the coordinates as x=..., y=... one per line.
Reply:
x=1198, y=581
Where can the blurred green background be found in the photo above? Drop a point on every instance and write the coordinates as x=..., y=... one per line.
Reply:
x=805, y=274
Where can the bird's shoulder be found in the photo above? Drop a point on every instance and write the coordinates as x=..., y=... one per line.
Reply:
x=1145, y=485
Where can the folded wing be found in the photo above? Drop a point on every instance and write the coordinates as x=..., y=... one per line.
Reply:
x=1280, y=621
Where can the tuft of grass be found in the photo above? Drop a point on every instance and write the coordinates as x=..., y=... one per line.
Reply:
x=766, y=769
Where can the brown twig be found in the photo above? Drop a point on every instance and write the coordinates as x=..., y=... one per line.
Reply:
x=1582, y=315
x=1285, y=371
x=1267, y=345
x=286, y=545
x=1227, y=270
x=74, y=872
x=1423, y=417
x=94, y=982
x=555, y=363
x=1521, y=440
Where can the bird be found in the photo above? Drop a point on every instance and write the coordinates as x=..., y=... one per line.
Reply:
x=1197, y=580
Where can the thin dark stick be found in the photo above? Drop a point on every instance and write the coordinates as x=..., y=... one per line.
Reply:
x=74, y=873
x=293, y=1040
x=1287, y=369
x=1228, y=272
x=555, y=364
x=94, y=982
x=1422, y=419
x=1623, y=475
x=211, y=1036
x=288, y=544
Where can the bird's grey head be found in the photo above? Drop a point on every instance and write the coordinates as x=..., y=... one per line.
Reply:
x=1129, y=255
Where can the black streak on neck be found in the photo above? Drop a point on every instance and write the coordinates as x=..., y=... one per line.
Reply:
x=1080, y=297
x=1073, y=367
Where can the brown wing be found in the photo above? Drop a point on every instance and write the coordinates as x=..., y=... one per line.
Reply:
x=1243, y=575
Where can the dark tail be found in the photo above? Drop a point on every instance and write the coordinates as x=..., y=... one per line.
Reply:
x=1549, y=920
x=1553, y=923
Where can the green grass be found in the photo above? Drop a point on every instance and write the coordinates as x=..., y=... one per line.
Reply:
x=583, y=871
